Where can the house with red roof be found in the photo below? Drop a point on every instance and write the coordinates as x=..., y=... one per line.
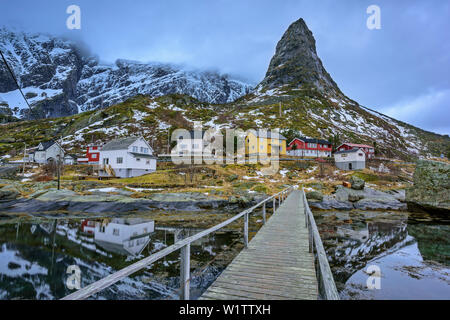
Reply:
x=307, y=147
x=368, y=150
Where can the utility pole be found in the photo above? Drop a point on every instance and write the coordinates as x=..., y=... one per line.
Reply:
x=59, y=164
x=168, y=140
x=24, y=155
x=280, y=109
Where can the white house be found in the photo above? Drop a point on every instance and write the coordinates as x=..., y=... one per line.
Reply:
x=124, y=236
x=353, y=159
x=193, y=142
x=126, y=157
x=48, y=151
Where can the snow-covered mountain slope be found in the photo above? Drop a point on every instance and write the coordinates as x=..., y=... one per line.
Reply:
x=60, y=79
x=311, y=105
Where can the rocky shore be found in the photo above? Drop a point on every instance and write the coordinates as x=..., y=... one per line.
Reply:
x=358, y=196
x=106, y=200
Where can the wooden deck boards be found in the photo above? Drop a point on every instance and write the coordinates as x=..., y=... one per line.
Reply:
x=277, y=263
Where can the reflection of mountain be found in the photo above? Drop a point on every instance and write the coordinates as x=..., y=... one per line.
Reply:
x=349, y=248
x=433, y=241
x=33, y=262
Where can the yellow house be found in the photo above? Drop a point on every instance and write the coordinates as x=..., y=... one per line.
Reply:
x=259, y=142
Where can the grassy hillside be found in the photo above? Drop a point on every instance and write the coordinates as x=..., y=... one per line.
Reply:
x=304, y=112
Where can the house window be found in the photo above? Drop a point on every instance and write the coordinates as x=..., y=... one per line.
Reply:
x=135, y=149
x=147, y=162
x=94, y=156
x=116, y=232
x=119, y=160
x=131, y=243
x=138, y=159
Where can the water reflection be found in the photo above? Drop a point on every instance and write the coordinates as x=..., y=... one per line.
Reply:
x=414, y=256
x=34, y=257
x=120, y=235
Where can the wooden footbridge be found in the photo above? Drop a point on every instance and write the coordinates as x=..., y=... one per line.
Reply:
x=284, y=260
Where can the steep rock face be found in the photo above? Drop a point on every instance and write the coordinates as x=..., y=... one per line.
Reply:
x=47, y=70
x=58, y=79
x=296, y=63
x=431, y=190
x=106, y=85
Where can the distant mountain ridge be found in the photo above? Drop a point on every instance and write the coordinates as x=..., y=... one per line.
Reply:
x=297, y=95
x=59, y=79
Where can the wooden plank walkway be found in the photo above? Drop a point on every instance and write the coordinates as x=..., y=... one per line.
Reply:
x=277, y=263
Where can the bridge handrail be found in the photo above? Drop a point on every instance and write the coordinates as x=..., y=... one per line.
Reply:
x=315, y=241
x=184, y=245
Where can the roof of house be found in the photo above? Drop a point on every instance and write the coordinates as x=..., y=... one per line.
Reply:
x=47, y=144
x=312, y=140
x=119, y=144
x=356, y=145
x=348, y=151
x=268, y=134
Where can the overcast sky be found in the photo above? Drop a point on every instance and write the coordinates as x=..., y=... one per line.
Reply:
x=401, y=70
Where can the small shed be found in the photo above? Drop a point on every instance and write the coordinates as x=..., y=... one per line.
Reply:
x=354, y=159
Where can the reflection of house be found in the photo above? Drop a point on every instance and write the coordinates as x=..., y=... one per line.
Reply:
x=124, y=236
x=361, y=234
x=264, y=142
x=127, y=157
x=48, y=151
x=88, y=226
x=353, y=159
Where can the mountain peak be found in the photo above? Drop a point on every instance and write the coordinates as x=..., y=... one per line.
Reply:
x=296, y=63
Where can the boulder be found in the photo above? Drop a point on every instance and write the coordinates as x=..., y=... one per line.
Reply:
x=431, y=189
x=9, y=193
x=355, y=197
x=232, y=177
x=357, y=183
x=314, y=195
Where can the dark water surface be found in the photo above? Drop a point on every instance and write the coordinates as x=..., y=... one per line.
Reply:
x=411, y=251
x=35, y=256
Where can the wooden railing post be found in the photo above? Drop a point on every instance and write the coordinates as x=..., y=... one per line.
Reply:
x=185, y=271
x=246, y=230
x=264, y=213
x=274, y=205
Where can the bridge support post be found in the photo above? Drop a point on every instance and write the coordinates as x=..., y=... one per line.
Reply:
x=264, y=213
x=274, y=204
x=185, y=271
x=246, y=230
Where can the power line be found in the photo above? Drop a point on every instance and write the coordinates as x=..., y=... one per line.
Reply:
x=15, y=80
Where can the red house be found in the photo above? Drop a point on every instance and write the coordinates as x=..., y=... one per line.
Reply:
x=93, y=154
x=306, y=147
x=368, y=150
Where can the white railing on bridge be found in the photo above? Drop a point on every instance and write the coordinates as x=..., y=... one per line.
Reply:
x=315, y=244
x=184, y=246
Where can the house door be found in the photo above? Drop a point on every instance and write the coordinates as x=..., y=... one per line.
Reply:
x=349, y=166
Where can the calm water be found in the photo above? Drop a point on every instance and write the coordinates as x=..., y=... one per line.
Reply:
x=34, y=257
x=411, y=251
